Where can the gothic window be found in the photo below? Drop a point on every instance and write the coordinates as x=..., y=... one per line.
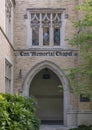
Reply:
x=8, y=69
x=46, y=27
x=84, y=98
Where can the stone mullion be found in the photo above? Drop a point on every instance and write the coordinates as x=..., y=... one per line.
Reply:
x=62, y=31
x=29, y=31
x=40, y=32
x=51, y=32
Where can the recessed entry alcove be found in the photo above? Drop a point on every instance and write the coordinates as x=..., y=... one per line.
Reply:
x=44, y=87
x=42, y=81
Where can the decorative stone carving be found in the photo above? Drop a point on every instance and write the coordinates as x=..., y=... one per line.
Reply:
x=8, y=6
x=46, y=19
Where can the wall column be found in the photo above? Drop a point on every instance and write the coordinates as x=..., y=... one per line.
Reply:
x=62, y=31
x=51, y=34
x=40, y=32
x=29, y=31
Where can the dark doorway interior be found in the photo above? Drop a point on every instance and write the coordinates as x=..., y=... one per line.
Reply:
x=44, y=87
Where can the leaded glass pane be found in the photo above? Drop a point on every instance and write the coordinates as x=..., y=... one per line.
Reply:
x=35, y=36
x=45, y=36
x=43, y=15
x=35, y=22
x=53, y=16
x=32, y=16
x=35, y=15
x=59, y=15
x=56, y=36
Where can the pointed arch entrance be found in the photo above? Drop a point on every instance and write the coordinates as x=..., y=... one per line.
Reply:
x=61, y=78
x=45, y=87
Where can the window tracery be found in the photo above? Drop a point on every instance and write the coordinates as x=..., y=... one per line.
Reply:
x=45, y=27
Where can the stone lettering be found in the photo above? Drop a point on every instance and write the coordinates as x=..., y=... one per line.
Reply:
x=47, y=53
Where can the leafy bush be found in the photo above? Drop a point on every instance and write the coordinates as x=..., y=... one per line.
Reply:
x=18, y=113
x=83, y=127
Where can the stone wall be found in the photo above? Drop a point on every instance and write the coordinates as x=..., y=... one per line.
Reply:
x=20, y=22
x=20, y=34
x=25, y=63
x=2, y=14
x=6, y=52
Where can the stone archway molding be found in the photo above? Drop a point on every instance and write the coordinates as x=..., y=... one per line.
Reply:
x=61, y=75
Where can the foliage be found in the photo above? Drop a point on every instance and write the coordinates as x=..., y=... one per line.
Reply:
x=18, y=113
x=81, y=76
x=82, y=127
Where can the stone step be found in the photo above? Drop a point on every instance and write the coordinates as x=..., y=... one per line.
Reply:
x=53, y=127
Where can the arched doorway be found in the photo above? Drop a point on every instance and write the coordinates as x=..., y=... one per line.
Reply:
x=44, y=87
x=60, y=74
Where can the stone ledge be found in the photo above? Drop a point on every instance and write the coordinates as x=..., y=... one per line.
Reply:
x=53, y=127
x=6, y=38
x=79, y=112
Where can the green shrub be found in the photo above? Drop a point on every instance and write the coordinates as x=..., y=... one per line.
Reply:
x=18, y=113
x=83, y=127
x=74, y=129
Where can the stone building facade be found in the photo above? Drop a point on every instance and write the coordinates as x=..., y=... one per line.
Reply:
x=35, y=57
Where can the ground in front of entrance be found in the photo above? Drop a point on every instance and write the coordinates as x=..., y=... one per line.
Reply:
x=53, y=127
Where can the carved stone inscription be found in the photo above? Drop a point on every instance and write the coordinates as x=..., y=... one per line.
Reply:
x=46, y=53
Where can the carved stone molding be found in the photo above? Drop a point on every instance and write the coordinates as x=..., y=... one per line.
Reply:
x=8, y=6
